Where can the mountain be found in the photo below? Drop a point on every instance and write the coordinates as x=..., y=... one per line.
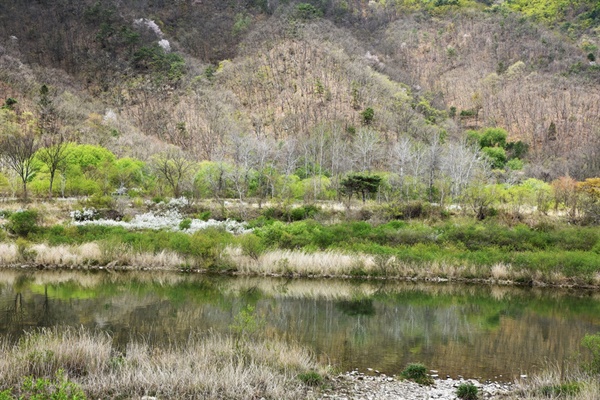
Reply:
x=205, y=74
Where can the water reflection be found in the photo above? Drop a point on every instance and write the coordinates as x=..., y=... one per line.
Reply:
x=475, y=331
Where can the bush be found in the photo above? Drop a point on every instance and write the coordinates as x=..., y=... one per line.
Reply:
x=417, y=373
x=185, y=224
x=251, y=245
x=467, y=391
x=311, y=378
x=592, y=343
x=99, y=201
x=42, y=388
x=23, y=223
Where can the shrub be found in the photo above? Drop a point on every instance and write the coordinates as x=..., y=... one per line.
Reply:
x=251, y=245
x=185, y=224
x=23, y=222
x=417, y=373
x=467, y=391
x=42, y=388
x=207, y=247
x=592, y=343
x=306, y=12
x=86, y=214
x=26, y=254
x=311, y=378
x=99, y=201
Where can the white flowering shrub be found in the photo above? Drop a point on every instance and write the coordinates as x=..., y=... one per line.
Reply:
x=166, y=207
x=167, y=219
x=87, y=214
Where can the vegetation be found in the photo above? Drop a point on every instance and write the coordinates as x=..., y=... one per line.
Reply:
x=319, y=242
x=470, y=159
x=417, y=373
x=467, y=391
x=78, y=364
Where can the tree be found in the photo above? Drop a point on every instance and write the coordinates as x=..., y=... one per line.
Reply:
x=367, y=116
x=360, y=183
x=590, y=199
x=18, y=144
x=53, y=152
x=565, y=193
x=173, y=168
x=366, y=149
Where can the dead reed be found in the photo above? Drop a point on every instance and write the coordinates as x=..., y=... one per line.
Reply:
x=208, y=366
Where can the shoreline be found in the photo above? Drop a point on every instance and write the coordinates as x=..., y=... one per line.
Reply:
x=298, y=275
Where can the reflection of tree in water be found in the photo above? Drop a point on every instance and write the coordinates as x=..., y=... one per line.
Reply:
x=20, y=314
x=14, y=313
x=356, y=307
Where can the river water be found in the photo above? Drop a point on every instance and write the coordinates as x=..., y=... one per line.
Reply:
x=486, y=332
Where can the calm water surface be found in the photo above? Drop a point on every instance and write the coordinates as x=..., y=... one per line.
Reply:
x=474, y=331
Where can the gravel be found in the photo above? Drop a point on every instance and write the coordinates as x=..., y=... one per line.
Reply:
x=356, y=385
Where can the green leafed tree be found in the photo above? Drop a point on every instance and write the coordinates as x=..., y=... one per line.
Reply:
x=363, y=184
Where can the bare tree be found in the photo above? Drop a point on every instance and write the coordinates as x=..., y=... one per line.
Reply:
x=18, y=150
x=53, y=151
x=460, y=163
x=366, y=149
x=173, y=168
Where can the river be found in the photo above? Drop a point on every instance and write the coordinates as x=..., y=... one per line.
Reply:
x=476, y=331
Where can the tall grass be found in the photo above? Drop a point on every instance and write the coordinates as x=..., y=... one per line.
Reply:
x=558, y=382
x=207, y=366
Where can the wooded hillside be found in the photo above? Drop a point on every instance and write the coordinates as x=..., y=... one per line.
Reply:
x=329, y=86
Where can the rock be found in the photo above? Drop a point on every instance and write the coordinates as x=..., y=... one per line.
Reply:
x=355, y=386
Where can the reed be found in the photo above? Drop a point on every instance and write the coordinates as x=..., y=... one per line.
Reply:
x=208, y=366
x=566, y=381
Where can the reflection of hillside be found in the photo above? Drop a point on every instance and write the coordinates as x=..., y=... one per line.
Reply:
x=468, y=330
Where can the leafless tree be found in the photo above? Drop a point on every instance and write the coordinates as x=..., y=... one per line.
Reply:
x=18, y=151
x=174, y=168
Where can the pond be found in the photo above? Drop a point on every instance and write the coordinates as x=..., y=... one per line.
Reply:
x=476, y=331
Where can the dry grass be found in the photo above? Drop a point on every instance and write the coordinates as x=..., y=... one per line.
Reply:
x=207, y=367
x=300, y=263
x=89, y=254
x=288, y=263
x=8, y=253
x=544, y=385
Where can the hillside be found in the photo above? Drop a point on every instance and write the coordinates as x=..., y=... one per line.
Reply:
x=334, y=83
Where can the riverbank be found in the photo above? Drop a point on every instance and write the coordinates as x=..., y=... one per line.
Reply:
x=79, y=364
x=323, y=243
x=280, y=263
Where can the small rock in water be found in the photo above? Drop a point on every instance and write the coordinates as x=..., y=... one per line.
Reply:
x=523, y=376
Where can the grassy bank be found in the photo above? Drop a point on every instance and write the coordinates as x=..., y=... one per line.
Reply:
x=541, y=252
x=207, y=366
